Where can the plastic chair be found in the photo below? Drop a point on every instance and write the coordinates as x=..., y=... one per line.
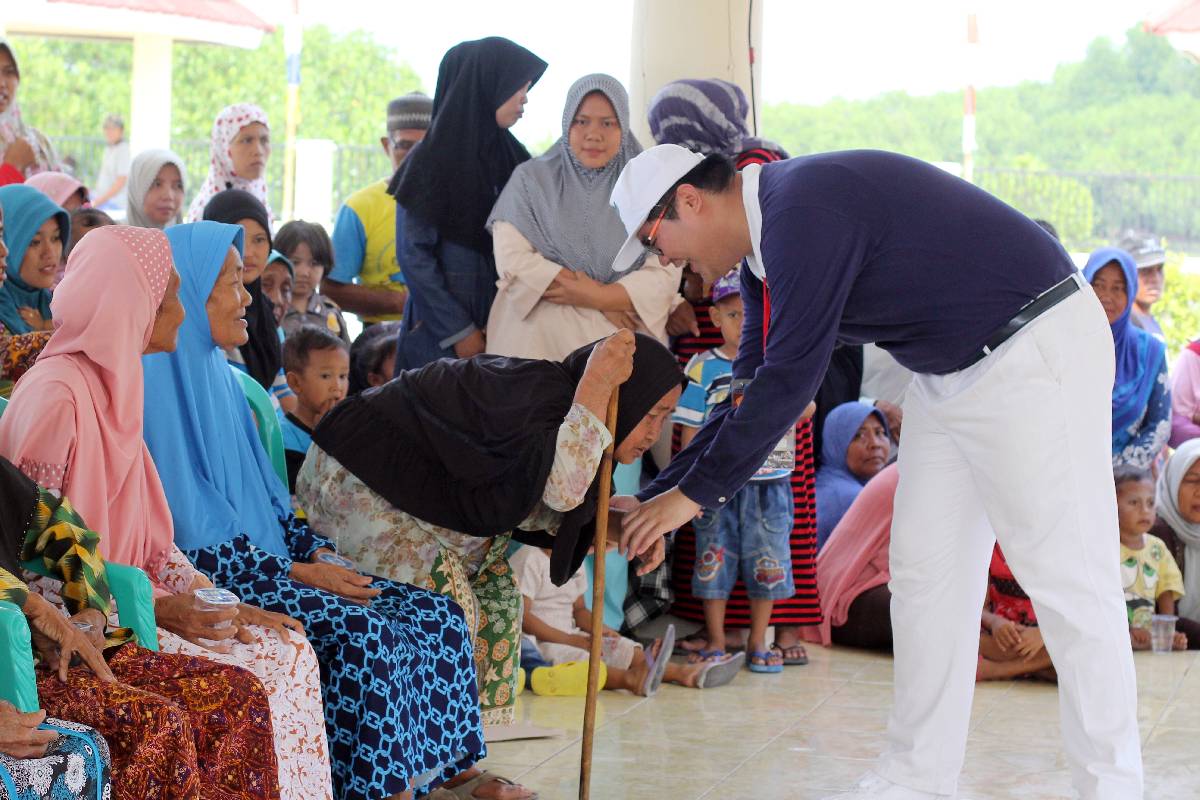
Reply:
x=3, y=405
x=135, y=606
x=269, y=430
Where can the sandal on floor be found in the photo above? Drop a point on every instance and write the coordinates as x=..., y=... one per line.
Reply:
x=465, y=791
x=681, y=645
x=568, y=679
x=705, y=656
x=656, y=666
x=763, y=657
x=719, y=673
x=792, y=661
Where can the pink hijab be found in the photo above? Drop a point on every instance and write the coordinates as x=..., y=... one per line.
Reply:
x=58, y=186
x=76, y=417
x=855, y=558
x=221, y=176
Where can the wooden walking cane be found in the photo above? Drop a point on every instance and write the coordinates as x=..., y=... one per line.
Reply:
x=593, y=685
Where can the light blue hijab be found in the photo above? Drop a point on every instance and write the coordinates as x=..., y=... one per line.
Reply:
x=218, y=479
x=836, y=486
x=25, y=209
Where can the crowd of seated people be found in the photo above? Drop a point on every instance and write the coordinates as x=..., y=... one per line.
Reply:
x=353, y=621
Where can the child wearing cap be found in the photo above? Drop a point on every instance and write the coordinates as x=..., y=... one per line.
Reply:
x=749, y=537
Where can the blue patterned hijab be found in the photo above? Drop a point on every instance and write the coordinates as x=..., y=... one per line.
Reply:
x=218, y=479
x=25, y=209
x=1138, y=353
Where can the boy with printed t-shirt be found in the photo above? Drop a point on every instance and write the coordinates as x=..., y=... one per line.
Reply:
x=1152, y=581
x=749, y=536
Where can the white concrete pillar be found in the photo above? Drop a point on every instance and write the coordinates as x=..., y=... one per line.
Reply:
x=675, y=39
x=314, y=181
x=150, y=113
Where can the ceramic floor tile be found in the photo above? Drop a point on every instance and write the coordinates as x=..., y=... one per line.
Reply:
x=812, y=731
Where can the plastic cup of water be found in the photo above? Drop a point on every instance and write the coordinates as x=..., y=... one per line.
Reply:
x=1162, y=632
x=216, y=600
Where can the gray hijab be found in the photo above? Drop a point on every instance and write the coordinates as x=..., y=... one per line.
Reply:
x=142, y=172
x=1169, y=480
x=562, y=207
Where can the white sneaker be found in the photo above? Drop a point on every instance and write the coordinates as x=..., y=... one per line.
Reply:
x=875, y=787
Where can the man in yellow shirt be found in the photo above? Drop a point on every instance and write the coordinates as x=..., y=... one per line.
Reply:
x=366, y=278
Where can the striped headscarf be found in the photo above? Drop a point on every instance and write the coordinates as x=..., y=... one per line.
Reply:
x=707, y=116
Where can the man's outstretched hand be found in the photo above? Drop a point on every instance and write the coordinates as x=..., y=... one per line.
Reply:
x=645, y=526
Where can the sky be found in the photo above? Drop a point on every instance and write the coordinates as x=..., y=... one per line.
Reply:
x=811, y=51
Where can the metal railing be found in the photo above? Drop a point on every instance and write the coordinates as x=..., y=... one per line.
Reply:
x=1095, y=208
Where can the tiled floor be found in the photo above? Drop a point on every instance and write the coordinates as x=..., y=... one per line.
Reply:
x=813, y=730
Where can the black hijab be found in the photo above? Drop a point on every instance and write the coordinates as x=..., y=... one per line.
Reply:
x=452, y=178
x=468, y=445
x=18, y=498
x=261, y=352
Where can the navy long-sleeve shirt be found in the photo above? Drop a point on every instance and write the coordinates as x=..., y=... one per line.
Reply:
x=860, y=246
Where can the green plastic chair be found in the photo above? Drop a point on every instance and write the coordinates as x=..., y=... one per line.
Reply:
x=3, y=405
x=135, y=606
x=269, y=430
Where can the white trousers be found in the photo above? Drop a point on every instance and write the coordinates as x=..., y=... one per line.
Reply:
x=1015, y=448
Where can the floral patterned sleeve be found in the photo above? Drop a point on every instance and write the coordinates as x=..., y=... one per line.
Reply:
x=302, y=541
x=582, y=439
x=1152, y=432
x=177, y=574
x=13, y=589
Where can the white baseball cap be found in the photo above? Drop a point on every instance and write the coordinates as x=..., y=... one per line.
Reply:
x=643, y=182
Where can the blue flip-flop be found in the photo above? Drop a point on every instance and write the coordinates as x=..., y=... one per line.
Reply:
x=657, y=666
x=762, y=655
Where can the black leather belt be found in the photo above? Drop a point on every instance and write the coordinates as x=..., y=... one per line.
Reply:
x=1036, y=307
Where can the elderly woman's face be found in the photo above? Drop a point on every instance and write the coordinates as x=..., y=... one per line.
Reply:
x=164, y=198
x=868, y=450
x=1189, y=494
x=646, y=433
x=249, y=151
x=227, y=303
x=595, y=132
x=277, y=286
x=9, y=79
x=40, y=265
x=168, y=319
x=1113, y=293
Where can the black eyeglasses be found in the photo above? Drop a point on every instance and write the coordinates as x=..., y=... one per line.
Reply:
x=404, y=144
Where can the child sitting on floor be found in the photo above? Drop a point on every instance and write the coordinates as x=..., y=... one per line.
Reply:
x=751, y=535
x=558, y=623
x=1010, y=643
x=1152, y=580
x=317, y=366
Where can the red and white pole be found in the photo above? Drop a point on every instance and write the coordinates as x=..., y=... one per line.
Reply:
x=968, y=128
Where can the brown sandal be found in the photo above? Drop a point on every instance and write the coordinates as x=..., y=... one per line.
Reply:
x=466, y=791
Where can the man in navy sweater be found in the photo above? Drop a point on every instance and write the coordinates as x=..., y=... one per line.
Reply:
x=1006, y=424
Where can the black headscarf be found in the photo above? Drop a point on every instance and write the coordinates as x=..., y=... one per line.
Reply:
x=261, y=352
x=468, y=445
x=452, y=178
x=18, y=498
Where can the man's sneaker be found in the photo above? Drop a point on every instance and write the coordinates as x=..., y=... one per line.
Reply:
x=875, y=787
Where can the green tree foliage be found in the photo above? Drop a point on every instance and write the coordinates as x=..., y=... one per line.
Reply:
x=1130, y=109
x=69, y=85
